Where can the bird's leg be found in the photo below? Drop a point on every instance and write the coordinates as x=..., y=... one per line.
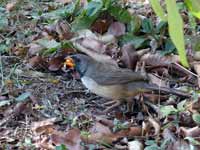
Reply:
x=130, y=105
x=109, y=103
x=117, y=103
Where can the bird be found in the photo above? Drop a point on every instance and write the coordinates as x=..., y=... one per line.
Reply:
x=111, y=82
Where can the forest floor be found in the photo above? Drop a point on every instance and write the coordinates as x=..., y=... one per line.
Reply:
x=43, y=107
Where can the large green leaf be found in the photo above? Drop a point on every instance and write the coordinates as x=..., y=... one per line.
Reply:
x=196, y=118
x=158, y=9
x=82, y=22
x=88, y=15
x=137, y=41
x=168, y=110
x=176, y=30
x=120, y=14
x=93, y=8
x=194, y=7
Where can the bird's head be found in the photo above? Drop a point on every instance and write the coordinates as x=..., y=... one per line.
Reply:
x=78, y=62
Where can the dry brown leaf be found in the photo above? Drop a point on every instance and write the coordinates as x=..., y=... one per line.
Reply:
x=43, y=143
x=196, y=105
x=12, y=112
x=10, y=6
x=94, y=45
x=37, y=62
x=117, y=29
x=179, y=145
x=99, y=133
x=34, y=49
x=158, y=81
x=130, y=132
x=155, y=125
x=97, y=56
x=105, y=121
x=56, y=63
x=129, y=56
x=158, y=60
x=100, y=26
x=44, y=126
x=71, y=139
x=64, y=31
x=190, y=132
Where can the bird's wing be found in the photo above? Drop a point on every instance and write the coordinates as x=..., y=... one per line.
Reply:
x=107, y=75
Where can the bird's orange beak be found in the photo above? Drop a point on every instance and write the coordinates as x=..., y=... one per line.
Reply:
x=69, y=63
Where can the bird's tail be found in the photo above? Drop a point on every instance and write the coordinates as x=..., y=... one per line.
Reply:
x=168, y=90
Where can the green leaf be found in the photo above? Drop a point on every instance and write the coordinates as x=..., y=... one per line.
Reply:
x=181, y=106
x=3, y=48
x=120, y=14
x=152, y=147
x=158, y=9
x=161, y=26
x=147, y=26
x=194, y=7
x=169, y=46
x=49, y=44
x=168, y=110
x=23, y=97
x=150, y=142
x=137, y=41
x=196, y=118
x=93, y=8
x=176, y=30
x=82, y=22
x=106, y=4
x=61, y=147
x=134, y=25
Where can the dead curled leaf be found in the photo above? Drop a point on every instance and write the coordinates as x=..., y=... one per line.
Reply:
x=56, y=63
x=11, y=6
x=63, y=29
x=158, y=60
x=93, y=44
x=155, y=125
x=37, y=62
x=117, y=29
x=44, y=126
x=101, y=133
x=71, y=139
x=95, y=55
x=100, y=26
x=189, y=132
x=130, y=56
x=34, y=49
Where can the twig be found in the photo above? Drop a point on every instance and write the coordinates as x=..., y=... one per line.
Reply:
x=186, y=70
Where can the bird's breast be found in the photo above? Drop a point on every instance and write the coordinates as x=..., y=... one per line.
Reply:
x=107, y=91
